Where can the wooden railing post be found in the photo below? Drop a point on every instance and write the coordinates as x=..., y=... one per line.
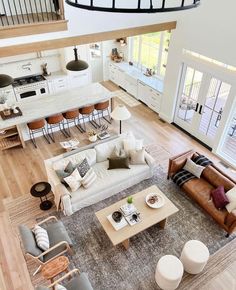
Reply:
x=62, y=10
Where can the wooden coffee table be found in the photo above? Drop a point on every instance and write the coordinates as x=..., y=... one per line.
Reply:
x=55, y=267
x=149, y=216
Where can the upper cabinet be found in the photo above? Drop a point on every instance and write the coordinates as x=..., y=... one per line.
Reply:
x=19, y=18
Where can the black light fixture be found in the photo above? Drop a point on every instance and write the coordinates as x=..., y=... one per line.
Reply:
x=138, y=6
x=5, y=80
x=76, y=64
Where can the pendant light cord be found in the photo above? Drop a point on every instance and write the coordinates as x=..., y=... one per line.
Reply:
x=76, y=53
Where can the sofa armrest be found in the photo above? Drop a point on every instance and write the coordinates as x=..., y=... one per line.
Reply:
x=230, y=221
x=177, y=162
x=67, y=206
x=149, y=159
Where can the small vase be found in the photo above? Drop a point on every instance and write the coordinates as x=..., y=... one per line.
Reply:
x=93, y=138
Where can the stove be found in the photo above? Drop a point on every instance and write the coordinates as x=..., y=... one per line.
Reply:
x=30, y=86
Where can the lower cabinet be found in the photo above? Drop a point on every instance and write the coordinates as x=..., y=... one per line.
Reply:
x=149, y=96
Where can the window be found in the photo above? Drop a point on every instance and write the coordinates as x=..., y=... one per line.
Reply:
x=151, y=51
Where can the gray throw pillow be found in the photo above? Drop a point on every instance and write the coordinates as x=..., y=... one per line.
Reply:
x=83, y=167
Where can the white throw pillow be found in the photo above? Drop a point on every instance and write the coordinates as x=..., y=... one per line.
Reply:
x=138, y=144
x=193, y=168
x=89, y=178
x=60, y=164
x=231, y=194
x=137, y=157
x=41, y=237
x=60, y=287
x=105, y=149
x=74, y=180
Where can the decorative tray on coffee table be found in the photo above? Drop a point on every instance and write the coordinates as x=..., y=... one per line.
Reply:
x=155, y=200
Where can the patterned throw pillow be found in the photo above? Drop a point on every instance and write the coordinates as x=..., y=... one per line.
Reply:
x=74, y=180
x=41, y=237
x=89, y=178
x=193, y=168
x=83, y=167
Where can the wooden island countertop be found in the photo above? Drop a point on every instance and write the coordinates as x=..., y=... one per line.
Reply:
x=48, y=105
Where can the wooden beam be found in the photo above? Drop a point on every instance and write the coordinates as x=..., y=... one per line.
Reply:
x=33, y=28
x=83, y=39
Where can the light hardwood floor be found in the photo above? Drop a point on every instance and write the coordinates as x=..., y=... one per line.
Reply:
x=21, y=168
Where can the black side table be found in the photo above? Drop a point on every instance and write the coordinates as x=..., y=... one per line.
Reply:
x=41, y=189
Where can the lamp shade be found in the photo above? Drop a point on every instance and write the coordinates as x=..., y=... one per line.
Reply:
x=120, y=113
x=76, y=64
x=5, y=80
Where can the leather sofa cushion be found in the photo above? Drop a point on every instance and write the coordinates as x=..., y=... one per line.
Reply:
x=214, y=177
x=199, y=189
x=219, y=215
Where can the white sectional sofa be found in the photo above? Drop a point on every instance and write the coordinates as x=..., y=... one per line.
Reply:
x=108, y=182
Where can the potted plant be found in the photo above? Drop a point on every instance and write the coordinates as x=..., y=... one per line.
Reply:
x=92, y=136
x=130, y=201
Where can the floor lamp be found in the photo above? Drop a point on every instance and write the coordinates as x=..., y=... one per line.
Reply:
x=120, y=113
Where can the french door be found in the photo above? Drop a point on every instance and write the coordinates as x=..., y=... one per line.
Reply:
x=201, y=101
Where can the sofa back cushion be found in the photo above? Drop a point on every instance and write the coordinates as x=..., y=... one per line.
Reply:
x=29, y=241
x=104, y=150
x=89, y=154
x=216, y=178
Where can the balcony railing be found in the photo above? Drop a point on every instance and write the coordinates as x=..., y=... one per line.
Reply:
x=18, y=12
x=27, y=17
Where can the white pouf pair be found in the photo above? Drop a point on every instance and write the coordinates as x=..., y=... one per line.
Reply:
x=170, y=269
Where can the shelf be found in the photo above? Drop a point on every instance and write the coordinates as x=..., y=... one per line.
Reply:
x=6, y=143
x=9, y=133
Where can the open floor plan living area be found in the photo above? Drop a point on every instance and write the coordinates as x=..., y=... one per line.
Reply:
x=117, y=145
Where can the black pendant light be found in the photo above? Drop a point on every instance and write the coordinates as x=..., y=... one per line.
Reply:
x=77, y=64
x=5, y=80
x=137, y=6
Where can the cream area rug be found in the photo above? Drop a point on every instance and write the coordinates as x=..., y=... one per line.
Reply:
x=126, y=98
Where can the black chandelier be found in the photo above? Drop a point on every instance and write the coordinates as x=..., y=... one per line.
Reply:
x=134, y=6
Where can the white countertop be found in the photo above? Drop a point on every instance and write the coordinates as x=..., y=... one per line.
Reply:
x=154, y=82
x=52, y=104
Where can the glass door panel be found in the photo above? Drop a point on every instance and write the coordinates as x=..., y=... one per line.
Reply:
x=189, y=96
x=228, y=148
x=212, y=110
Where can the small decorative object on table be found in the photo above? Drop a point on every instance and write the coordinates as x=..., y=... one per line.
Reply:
x=103, y=132
x=155, y=200
x=117, y=216
x=41, y=189
x=92, y=136
x=70, y=145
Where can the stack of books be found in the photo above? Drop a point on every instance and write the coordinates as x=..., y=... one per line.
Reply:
x=130, y=211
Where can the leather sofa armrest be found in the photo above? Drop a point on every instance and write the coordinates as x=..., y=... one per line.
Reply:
x=177, y=162
x=230, y=219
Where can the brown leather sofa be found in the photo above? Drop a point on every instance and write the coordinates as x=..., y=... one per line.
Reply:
x=200, y=189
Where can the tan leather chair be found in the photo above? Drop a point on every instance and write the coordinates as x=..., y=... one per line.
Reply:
x=36, y=127
x=56, y=121
x=73, y=116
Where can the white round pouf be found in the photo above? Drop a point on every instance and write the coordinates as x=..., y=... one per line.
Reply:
x=194, y=256
x=169, y=272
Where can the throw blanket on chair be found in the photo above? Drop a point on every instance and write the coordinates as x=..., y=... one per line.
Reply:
x=182, y=176
x=202, y=160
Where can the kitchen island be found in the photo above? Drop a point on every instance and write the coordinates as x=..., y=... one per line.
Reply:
x=45, y=106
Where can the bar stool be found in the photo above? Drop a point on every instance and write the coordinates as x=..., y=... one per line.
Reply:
x=73, y=117
x=53, y=122
x=101, y=108
x=88, y=112
x=36, y=127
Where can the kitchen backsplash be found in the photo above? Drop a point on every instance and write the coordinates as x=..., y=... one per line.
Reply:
x=31, y=64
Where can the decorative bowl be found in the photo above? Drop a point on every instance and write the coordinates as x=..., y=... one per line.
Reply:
x=155, y=200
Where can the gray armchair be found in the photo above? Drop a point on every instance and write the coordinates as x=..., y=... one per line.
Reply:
x=59, y=240
x=79, y=281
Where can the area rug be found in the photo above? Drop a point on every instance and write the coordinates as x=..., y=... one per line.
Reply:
x=112, y=267
x=126, y=98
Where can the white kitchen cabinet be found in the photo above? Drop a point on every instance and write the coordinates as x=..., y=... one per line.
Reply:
x=149, y=96
x=131, y=85
x=58, y=84
x=117, y=75
x=79, y=79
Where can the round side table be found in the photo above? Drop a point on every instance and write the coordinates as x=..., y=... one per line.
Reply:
x=41, y=189
x=55, y=267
